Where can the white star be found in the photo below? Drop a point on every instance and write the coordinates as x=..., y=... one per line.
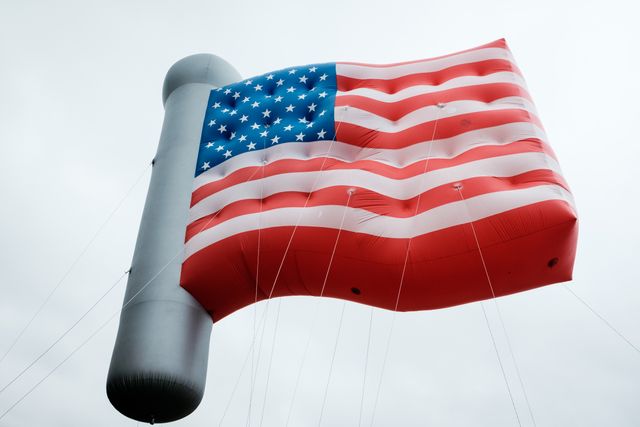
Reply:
x=313, y=69
x=236, y=95
x=270, y=77
x=248, y=82
x=280, y=82
x=277, y=121
x=227, y=91
x=302, y=96
x=216, y=105
x=251, y=146
x=310, y=124
x=300, y=137
x=233, y=135
x=227, y=154
x=209, y=144
x=321, y=134
x=245, y=99
x=225, y=110
x=255, y=104
x=312, y=107
x=219, y=89
x=303, y=120
x=258, y=87
x=264, y=133
x=322, y=114
x=292, y=71
x=290, y=108
x=205, y=166
x=244, y=118
x=324, y=77
x=266, y=113
x=303, y=79
x=242, y=138
x=278, y=98
x=291, y=89
x=222, y=128
x=212, y=122
x=288, y=127
x=322, y=94
x=220, y=148
x=275, y=140
x=233, y=112
x=255, y=126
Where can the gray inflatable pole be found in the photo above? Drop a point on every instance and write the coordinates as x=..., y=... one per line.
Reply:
x=159, y=363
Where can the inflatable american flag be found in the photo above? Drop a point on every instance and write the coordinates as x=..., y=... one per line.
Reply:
x=357, y=181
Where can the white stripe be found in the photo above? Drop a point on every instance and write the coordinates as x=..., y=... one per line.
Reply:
x=427, y=66
x=402, y=189
x=366, y=119
x=362, y=221
x=459, y=82
x=445, y=148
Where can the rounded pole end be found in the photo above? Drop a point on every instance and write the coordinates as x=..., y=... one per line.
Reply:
x=153, y=399
x=199, y=68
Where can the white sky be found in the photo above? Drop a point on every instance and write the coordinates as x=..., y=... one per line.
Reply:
x=80, y=116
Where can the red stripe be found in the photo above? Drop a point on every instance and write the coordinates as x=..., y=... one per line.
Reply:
x=446, y=128
x=500, y=43
x=291, y=166
x=481, y=68
x=519, y=247
x=375, y=202
x=398, y=109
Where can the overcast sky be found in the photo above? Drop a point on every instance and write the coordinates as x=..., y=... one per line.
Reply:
x=80, y=116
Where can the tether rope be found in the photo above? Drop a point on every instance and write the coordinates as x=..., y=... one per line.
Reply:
x=124, y=305
x=89, y=338
x=439, y=107
x=64, y=334
x=75, y=262
x=605, y=321
x=313, y=186
x=244, y=365
x=139, y=291
x=335, y=244
x=92, y=334
x=384, y=364
x=57, y=366
x=293, y=232
x=333, y=358
x=304, y=358
x=255, y=297
x=273, y=346
x=350, y=193
x=458, y=188
x=254, y=375
x=366, y=364
x=504, y=375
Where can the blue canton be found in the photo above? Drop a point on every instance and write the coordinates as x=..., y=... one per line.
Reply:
x=294, y=105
